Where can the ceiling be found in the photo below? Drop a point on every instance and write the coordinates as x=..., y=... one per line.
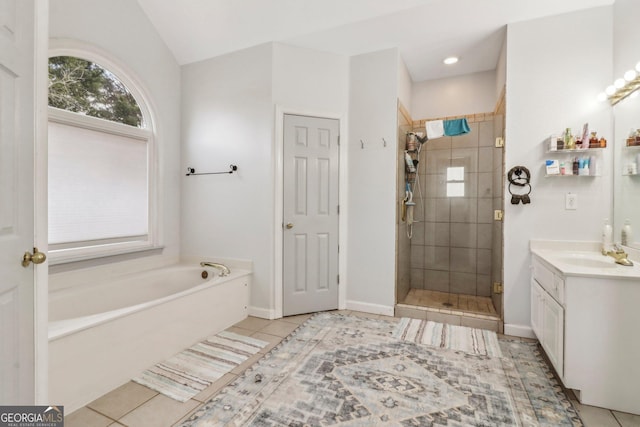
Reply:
x=424, y=31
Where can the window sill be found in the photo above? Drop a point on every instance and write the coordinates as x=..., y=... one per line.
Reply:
x=67, y=256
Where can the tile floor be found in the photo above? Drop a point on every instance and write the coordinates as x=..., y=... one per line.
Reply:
x=133, y=405
x=435, y=299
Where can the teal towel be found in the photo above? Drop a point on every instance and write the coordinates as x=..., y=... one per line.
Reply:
x=456, y=127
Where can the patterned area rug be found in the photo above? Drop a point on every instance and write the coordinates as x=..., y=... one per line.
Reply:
x=471, y=340
x=349, y=371
x=196, y=368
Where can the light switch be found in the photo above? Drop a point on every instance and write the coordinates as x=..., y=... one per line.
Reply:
x=571, y=202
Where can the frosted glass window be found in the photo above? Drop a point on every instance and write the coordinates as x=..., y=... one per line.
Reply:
x=98, y=185
x=455, y=173
x=455, y=181
x=455, y=189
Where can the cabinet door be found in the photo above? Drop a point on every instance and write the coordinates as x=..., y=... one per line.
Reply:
x=553, y=333
x=537, y=303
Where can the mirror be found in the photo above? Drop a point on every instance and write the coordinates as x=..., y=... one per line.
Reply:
x=626, y=164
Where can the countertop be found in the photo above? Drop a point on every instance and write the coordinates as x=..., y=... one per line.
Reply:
x=583, y=259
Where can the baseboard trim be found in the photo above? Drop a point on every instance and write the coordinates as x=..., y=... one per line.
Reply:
x=370, y=308
x=519, y=331
x=263, y=313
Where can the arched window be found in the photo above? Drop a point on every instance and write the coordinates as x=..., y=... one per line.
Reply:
x=100, y=157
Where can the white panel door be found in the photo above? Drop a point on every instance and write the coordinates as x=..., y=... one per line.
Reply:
x=17, y=137
x=310, y=227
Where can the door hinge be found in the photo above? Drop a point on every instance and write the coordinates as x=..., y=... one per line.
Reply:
x=338, y=278
x=338, y=139
x=338, y=209
x=497, y=288
x=499, y=142
x=498, y=215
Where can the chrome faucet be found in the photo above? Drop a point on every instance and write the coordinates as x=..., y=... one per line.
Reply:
x=224, y=270
x=619, y=255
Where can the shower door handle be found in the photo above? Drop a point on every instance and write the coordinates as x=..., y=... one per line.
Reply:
x=289, y=226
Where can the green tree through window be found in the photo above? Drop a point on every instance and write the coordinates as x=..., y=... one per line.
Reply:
x=85, y=87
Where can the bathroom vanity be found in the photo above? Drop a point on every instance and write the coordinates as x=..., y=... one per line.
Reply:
x=585, y=313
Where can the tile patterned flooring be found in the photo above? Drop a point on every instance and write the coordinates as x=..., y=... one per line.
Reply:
x=435, y=299
x=134, y=405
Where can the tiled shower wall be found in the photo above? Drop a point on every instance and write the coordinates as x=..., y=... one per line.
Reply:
x=451, y=247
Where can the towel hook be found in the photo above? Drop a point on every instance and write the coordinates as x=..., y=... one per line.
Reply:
x=362, y=144
x=384, y=142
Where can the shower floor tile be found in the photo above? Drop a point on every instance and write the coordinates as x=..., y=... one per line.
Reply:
x=435, y=299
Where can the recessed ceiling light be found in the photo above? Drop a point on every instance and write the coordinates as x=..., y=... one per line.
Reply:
x=450, y=60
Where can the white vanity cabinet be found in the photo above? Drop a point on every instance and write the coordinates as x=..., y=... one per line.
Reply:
x=547, y=312
x=585, y=311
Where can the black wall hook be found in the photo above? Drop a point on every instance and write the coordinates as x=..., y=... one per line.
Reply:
x=191, y=171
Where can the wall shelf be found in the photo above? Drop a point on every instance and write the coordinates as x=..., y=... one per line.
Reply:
x=567, y=156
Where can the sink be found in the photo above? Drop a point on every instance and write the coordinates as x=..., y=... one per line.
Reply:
x=587, y=260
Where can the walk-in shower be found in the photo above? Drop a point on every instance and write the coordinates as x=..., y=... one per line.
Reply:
x=450, y=255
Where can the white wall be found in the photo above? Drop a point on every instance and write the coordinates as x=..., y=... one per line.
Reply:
x=501, y=70
x=405, y=85
x=227, y=118
x=306, y=79
x=460, y=95
x=626, y=36
x=139, y=48
x=229, y=107
x=556, y=66
x=373, y=95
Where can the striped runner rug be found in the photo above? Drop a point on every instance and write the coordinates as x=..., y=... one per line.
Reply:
x=189, y=372
x=461, y=338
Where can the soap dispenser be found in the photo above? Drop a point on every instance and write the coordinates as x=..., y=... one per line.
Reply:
x=627, y=233
x=607, y=237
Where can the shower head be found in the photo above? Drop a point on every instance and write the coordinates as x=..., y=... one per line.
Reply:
x=422, y=139
x=419, y=136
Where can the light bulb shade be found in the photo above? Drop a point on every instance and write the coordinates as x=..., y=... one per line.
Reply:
x=638, y=67
x=450, y=60
x=610, y=90
x=601, y=97
x=619, y=83
x=630, y=75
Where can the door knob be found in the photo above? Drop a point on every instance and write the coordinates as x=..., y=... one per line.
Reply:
x=36, y=258
x=289, y=226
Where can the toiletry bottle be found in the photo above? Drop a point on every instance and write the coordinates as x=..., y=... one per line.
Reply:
x=627, y=233
x=569, y=141
x=585, y=166
x=576, y=166
x=607, y=237
x=411, y=168
x=592, y=165
x=593, y=141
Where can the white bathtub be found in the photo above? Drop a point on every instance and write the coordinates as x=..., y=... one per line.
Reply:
x=102, y=334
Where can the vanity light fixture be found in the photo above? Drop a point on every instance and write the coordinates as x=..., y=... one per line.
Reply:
x=450, y=60
x=630, y=75
x=622, y=87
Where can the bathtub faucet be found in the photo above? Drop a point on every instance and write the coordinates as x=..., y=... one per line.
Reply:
x=224, y=270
